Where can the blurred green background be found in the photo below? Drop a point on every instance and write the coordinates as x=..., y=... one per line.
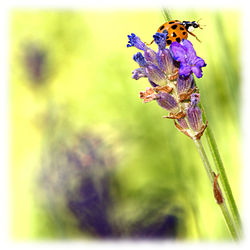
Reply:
x=88, y=158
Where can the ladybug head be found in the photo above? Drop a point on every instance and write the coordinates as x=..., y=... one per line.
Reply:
x=195, y=24
x=190, y=26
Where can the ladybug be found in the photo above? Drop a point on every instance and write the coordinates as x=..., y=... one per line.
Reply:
x=178, y=30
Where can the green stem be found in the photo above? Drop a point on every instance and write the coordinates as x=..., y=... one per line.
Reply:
x=223, y=177
x=228, y=219
x=204, y=158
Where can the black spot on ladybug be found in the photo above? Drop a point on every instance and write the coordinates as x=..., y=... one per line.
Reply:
x=171, y=22
x=184, y=33
x=174, y=35
x=167, y=37
x=174, y=26
x=169, y=42
x=162, y=27
x=178, y=39
x=181, y=28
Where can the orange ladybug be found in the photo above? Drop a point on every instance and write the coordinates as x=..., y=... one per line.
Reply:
x=178, y=30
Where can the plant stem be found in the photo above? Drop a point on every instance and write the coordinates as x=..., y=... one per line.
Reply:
x=228, y=219
x=205, y=160
x=225, y=212
x=223, y=177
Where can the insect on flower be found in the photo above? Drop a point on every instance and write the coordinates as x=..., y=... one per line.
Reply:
x=177, y=30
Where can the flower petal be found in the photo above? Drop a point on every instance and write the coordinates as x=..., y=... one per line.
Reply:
x=178, y=52
x=185, y=69
x=138, y=73
x=197, y=71
x=190, y=52
x=199, y=62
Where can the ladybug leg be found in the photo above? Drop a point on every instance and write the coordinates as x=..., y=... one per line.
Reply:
x=150, y=43
x=194, y=36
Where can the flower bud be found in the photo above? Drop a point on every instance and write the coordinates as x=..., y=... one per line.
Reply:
x=150, y=55
x=138, y=73
x=194, y=113
x=184, y=84
x=167, y=101
x=183, y=123
x=194, y=118
x=135, y=41
x=155, y=75
x=139, y=58
x=163, y=56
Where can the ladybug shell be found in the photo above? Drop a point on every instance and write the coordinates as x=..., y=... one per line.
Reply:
x=176, y=31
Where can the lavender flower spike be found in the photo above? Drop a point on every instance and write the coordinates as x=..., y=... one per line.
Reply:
x=189, y=61
x=194, y=113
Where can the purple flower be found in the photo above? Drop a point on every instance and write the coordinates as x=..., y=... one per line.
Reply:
x=163, y=56
x=139, y=58
x=186, y=55
x=160, y=39
x=152, y=71
x=135, y=41
x=138, y=73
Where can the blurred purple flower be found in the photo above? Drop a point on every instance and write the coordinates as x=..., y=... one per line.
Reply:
x=36, y=62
